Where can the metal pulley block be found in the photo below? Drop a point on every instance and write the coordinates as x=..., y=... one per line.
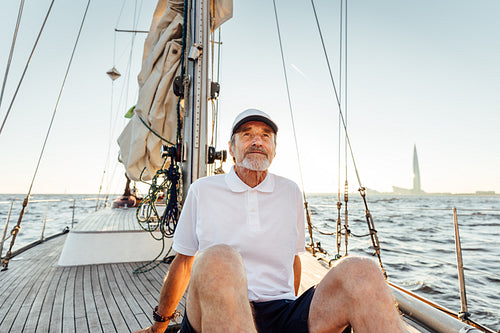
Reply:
x=172, y=151
x=216, y=155
x=214, y=90
x=180, y=84
x=195, y=52
x=178, y=87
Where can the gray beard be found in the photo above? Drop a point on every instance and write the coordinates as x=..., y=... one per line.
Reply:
x=256, y=164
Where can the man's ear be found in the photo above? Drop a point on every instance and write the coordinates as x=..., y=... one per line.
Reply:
x=230, y=149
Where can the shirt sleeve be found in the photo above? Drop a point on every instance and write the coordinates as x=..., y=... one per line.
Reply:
x=301, y=225
x=185, y=238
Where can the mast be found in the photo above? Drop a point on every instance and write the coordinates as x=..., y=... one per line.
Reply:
x=194, y=155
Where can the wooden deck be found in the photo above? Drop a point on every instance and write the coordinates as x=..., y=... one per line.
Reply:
x=38, y=296
x=120, y=219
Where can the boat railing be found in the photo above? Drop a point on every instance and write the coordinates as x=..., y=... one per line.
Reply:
x=453, y=211
x=7, y=236
x=463, y=315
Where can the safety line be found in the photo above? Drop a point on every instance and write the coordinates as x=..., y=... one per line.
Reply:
x=14, y=38
x=26, y=66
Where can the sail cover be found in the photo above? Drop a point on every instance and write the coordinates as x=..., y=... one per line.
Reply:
x=155, y=111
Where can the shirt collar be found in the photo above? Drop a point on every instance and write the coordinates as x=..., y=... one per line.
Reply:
x=235, y=184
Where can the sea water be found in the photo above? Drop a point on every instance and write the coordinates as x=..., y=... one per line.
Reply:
x=416, y=235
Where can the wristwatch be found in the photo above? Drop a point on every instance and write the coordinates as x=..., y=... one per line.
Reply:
x=159, y=318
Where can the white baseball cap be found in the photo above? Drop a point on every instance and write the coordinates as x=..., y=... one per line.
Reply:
x=253, y=115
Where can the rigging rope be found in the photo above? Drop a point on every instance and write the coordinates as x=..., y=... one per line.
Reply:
x=340, y=92
x=346, y=184
x=306, y=205
x=336, y=95
x=339, y=203
x=154, y=132
x=214, y=101
x=14, y=38
x=111, y=128
x=123, y=97
x=289, y=98
x=343, y=47
x=26, y=66
x=219, y=55
x=362, y=190
x=25, y=202
x=132, y=42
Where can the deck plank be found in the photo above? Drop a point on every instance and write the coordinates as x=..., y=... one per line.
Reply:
x=80, y=311
x=15, y=278
x=313, y=271
x=26, y=276
x=92, y=318
x=110, y=220
x=13, y=305
x=148, y=287
x=120, y=300
x=25, y=307
x=100, y=303
x=45, y=295
x=131, y=299
x=30, y=321
x=114, y=312
x=11, y=276
x=68, y=314
x=149, y=299
x=55, y=302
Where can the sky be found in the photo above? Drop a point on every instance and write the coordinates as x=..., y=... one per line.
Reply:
x=420, y=73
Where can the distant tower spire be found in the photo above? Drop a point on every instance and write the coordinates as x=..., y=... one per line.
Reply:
x=416, y=172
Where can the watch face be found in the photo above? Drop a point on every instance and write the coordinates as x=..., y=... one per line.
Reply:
x=157, y=316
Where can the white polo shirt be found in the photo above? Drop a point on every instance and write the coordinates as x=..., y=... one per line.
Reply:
x=265, y=224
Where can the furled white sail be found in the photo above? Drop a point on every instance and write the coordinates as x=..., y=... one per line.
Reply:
x=140, y=148
x=156, y=105
x=222, y=10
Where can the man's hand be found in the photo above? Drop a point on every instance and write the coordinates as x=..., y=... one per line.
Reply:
x=145, y=330
x=155, y=328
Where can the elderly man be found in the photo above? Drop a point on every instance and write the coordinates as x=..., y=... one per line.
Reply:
x=246, y=229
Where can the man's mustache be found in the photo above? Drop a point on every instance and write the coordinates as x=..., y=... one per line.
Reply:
x=256, y=150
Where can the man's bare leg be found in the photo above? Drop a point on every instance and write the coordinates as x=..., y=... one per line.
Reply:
x=217, y=299
x=354, y=292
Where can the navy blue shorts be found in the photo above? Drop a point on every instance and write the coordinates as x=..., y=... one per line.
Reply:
x=280, y=316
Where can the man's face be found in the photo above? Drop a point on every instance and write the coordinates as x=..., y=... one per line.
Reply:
x=254, y=146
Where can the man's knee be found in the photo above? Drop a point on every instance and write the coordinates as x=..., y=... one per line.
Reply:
x=217, y=264
x=355, y=273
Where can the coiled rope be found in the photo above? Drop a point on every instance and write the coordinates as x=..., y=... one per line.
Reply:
x=148, y=216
